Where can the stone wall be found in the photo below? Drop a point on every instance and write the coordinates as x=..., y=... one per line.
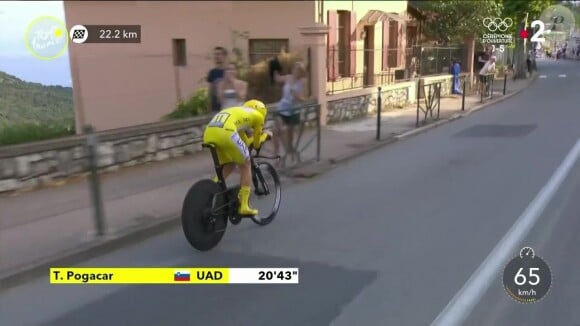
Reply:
x=445, y=80
x=34, y=164
x=352, y=107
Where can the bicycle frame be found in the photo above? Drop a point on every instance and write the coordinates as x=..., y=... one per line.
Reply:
x=230, y=194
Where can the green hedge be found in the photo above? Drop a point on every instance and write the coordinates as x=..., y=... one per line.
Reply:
x=197, y=104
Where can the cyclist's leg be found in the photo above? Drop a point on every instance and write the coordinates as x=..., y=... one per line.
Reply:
x=221, y=138
x=241, y=155
x=227, y=168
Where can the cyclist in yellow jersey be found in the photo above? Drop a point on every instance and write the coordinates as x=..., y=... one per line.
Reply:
x=228, y=132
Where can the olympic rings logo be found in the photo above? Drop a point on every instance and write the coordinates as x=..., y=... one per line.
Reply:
x=497, y=24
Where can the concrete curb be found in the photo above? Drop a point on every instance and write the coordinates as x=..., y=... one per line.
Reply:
x=367, y=149
x=423, y=129
x=89, y=250
x=319, y=168
x=135, y=235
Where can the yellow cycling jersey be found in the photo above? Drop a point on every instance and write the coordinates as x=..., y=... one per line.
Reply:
x=239, y=119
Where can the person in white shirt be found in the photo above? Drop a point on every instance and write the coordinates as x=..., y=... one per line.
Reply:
x=488, y=68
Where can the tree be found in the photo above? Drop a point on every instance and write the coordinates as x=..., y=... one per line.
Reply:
x=449, y=21
x=521, y=12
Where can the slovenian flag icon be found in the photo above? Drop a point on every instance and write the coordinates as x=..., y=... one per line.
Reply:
x=181, y=276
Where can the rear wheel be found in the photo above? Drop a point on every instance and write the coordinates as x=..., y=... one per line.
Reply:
x=268, y=193
x=195, y=216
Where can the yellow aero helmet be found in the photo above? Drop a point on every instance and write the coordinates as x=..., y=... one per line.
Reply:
x=258, y=106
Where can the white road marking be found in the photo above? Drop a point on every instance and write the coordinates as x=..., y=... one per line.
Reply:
x=542, y=76
x=562, y=76
x=462, y=304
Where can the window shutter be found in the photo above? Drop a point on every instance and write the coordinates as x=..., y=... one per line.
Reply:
x=401, y=44
x=353, y=40
x=332, y=45
x=385, y=45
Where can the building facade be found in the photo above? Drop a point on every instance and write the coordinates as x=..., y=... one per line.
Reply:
x=121, y=85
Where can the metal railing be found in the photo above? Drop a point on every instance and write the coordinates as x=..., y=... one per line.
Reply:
x=466, y=89
x=429, y=98
x=306, y=131
x=386, y=66
x=486, y=86
x=432, y=99
x=379, y=67
x=437, y=60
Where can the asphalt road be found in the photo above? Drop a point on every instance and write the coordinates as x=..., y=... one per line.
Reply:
x=386, y=239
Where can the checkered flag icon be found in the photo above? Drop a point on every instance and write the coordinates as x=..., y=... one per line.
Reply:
x=78, y=34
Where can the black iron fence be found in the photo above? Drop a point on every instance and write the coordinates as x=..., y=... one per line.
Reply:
x=437, y=60
x=360, y=68
x=296, y=130
x=354, y=69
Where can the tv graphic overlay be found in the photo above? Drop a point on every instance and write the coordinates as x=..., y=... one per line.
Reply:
x=187, y=275
x=527, y=278
x=79, y=34
x=555, y=24
x=181, y=276
x=45, y=38
x=498, y=33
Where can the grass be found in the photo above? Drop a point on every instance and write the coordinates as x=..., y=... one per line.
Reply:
x=24, y=132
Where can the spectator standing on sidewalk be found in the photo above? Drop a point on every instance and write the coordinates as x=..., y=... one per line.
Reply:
x=293, y=94
x=486, y=74
x=455, y=71
x=231, y=91
x=215, y=75
x=480, y=59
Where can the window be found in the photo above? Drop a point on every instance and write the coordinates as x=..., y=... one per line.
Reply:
x=179, y=52
x=262, y=49
x=343, y=43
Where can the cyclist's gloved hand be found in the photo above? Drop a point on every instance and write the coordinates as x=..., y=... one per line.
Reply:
x=266, y=135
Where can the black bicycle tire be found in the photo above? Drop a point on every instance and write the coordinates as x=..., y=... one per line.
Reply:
x=199, y=198
x=278, y=193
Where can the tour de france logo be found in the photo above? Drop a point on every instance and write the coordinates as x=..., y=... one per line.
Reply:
x=46, y=38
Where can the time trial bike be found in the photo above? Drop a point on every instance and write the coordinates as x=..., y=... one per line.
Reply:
x=208, y=206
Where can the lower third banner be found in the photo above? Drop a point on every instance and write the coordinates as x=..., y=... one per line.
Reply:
x=178, y=275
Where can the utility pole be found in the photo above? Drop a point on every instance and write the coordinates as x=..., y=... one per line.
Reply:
x=521, y=51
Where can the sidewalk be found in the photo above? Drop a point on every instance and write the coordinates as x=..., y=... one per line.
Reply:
x=40, y=226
